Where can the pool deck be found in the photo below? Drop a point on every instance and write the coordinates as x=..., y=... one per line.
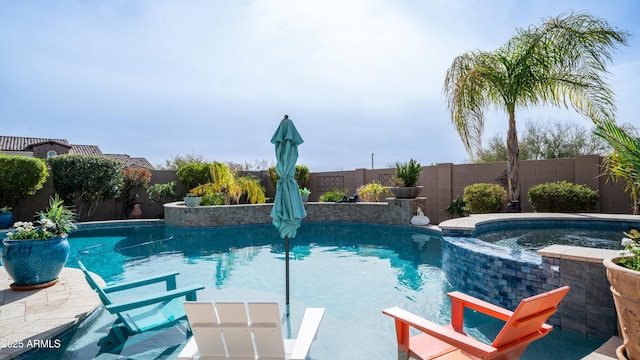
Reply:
x=36, y=318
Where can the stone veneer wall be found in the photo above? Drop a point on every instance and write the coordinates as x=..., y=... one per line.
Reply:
x=393, y=212
x=589, y=306
x=503, y=277
x=496, y=274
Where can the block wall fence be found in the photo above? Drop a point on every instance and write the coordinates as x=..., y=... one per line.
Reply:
x=441, y=182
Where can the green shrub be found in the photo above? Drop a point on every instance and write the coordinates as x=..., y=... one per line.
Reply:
x=301, y=176
x=457, y=208
x=484, y=198
x=372, y=191
x=20, y=176
x=194, y=174
x=273, y=177
x=135, y=180
x=163, y=193
x=86, y=180
x=333, y=195
x=562, y=196
x=213, y=199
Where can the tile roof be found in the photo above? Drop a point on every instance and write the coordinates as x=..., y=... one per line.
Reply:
x=142, y=162
x=129, y=161
x=86, y=150
x=18, y=143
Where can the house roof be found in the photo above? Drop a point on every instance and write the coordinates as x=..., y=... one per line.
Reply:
x=18, y=143
x=129, y=161
x=86, y=150
x=142, y=162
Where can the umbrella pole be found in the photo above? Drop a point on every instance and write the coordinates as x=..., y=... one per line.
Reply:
x=286, y=241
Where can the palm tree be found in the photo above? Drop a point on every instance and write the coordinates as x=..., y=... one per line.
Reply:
x=561, y=62
x=232, y=186
x=624, y=162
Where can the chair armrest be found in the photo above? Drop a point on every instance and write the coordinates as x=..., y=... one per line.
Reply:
x=169, y=278
x=480, y=305
x=189, y=351
x=442, y=333
x=307, y=333
x=189, y=292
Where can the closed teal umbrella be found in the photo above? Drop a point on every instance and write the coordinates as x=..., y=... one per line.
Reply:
x=287, y=211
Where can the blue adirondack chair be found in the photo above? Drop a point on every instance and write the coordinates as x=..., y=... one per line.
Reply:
x=144, y=312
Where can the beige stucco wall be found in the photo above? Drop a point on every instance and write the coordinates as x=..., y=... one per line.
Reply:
x=443, y=182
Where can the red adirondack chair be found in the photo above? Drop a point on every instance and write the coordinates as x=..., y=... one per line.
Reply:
x=523, y=325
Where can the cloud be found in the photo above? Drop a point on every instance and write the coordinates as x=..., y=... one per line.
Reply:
x=161, y=78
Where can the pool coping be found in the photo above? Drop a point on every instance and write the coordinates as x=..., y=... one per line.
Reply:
x=468, y=224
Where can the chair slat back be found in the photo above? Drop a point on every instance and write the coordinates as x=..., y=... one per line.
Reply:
x=529, y=317
x=236, y=330
x=234, y=324
x=267, y=332
x=94, y=285
x=204, y=325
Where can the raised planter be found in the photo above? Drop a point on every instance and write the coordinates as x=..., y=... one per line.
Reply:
x=406, y=192
x=395, y=211
x=625, y=287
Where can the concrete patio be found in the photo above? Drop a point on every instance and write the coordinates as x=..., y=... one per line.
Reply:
x=36, y=319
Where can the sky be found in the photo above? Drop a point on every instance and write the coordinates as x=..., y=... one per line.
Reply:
x=361, y=79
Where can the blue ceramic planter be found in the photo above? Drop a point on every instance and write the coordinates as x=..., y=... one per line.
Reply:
x=6, y=220
x=34, y=262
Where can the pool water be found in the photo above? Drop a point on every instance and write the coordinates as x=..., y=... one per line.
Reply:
x=536, y=239
x=353, y=270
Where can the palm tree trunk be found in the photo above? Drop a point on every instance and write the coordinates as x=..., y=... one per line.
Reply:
x=513, y=164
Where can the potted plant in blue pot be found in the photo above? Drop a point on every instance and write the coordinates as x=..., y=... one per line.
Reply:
x=6, y=217
x=34, y=253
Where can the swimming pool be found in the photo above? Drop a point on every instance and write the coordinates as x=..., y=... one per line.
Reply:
x=352, y=270
x=535, y=235
x=536, y=239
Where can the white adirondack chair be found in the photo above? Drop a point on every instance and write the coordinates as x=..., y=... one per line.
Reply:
x=241, y=330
